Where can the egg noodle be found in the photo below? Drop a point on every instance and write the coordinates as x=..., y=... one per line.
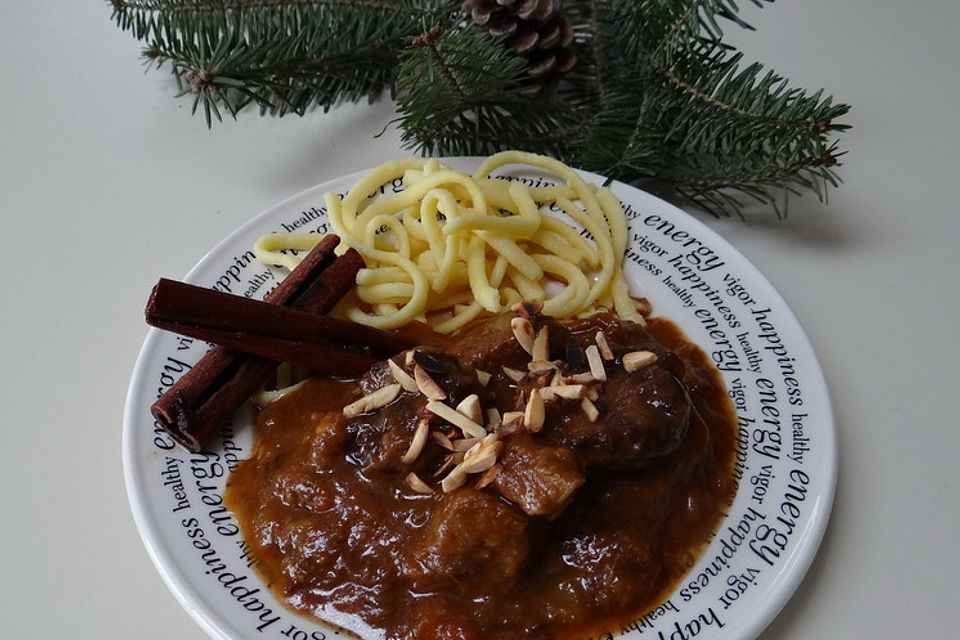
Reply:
x=448, y=246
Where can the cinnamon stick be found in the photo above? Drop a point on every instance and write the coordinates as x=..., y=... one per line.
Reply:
x=265, y=329
x=194, y=408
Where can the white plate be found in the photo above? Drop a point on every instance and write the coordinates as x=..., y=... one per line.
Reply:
x=786, y=466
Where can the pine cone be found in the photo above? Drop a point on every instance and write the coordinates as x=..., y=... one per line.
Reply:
x=535, y=29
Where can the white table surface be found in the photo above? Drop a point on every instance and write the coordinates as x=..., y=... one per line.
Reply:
x=107, y=183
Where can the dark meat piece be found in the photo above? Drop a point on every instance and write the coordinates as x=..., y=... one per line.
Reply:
x=606, y=569
x=644, y=416
x=490, y=344
x=539, y=478
x=474, y=541
x=438, y=617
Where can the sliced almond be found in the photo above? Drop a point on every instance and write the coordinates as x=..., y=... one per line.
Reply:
x=605, y=351
x=557, y=378
x=457, y=419
x=418, y=485
x=408, y=357
x=590, y=410
x=443, y=440
x=479, y=463
x=465, y=444
x=636, y=360
x=511, y=417
x=483, y=377
x=541, y=366
x=454, y=480
x=596, y=363
x=482, y=455
x=535, y=413
x=418, y=442
x=427, y=385
x=514, y=374
x=541, y=345
x=488, y=476
x=568, y=391
x=371, y=402
x=523, y=332
x=405, y=379
x=470, y=407
x=580, y=378
x=493, y=417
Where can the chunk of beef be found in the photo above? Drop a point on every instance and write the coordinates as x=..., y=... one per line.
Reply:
x=644, y=416
x=437, y=617
x=607, y=569
x=491, y=343
x=473, y=541
x=539, y=478
x=488, y=345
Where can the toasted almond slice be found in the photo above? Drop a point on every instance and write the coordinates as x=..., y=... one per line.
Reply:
x=454, y=480
x=457, y=419
x=418, y=485
x=541, y=344
x=408, y=357
x=427, y=385
x=493, y=417
x=523, y=332
x=482, y=455
x=580, y=378
x=557, y=378
x=638, y=360
x=604, y=346
x=512, y=416
x=596, y=363
x=465, y=444
x=514, y=374
x=478, y=445
x=470, y=407
x=539, y=366
x=418, y=442
x=568, y=391
x=528, y=308
x=483, y=377
x=379, y=398
x=443, y=440
x=534, y=413
x=590, y=410
x=405, y=379
x=488, y=476
x=479, y=463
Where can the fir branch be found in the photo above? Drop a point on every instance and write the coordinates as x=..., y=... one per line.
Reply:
x=286, y=57
x=671, y=24
x=657, y=98
x=449, y=103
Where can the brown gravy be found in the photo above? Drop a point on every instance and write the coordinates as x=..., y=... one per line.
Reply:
x=339, y=535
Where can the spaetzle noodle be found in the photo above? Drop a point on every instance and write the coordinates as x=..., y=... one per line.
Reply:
x=449, y=247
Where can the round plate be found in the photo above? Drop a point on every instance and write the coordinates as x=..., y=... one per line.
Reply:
x=785, y=466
